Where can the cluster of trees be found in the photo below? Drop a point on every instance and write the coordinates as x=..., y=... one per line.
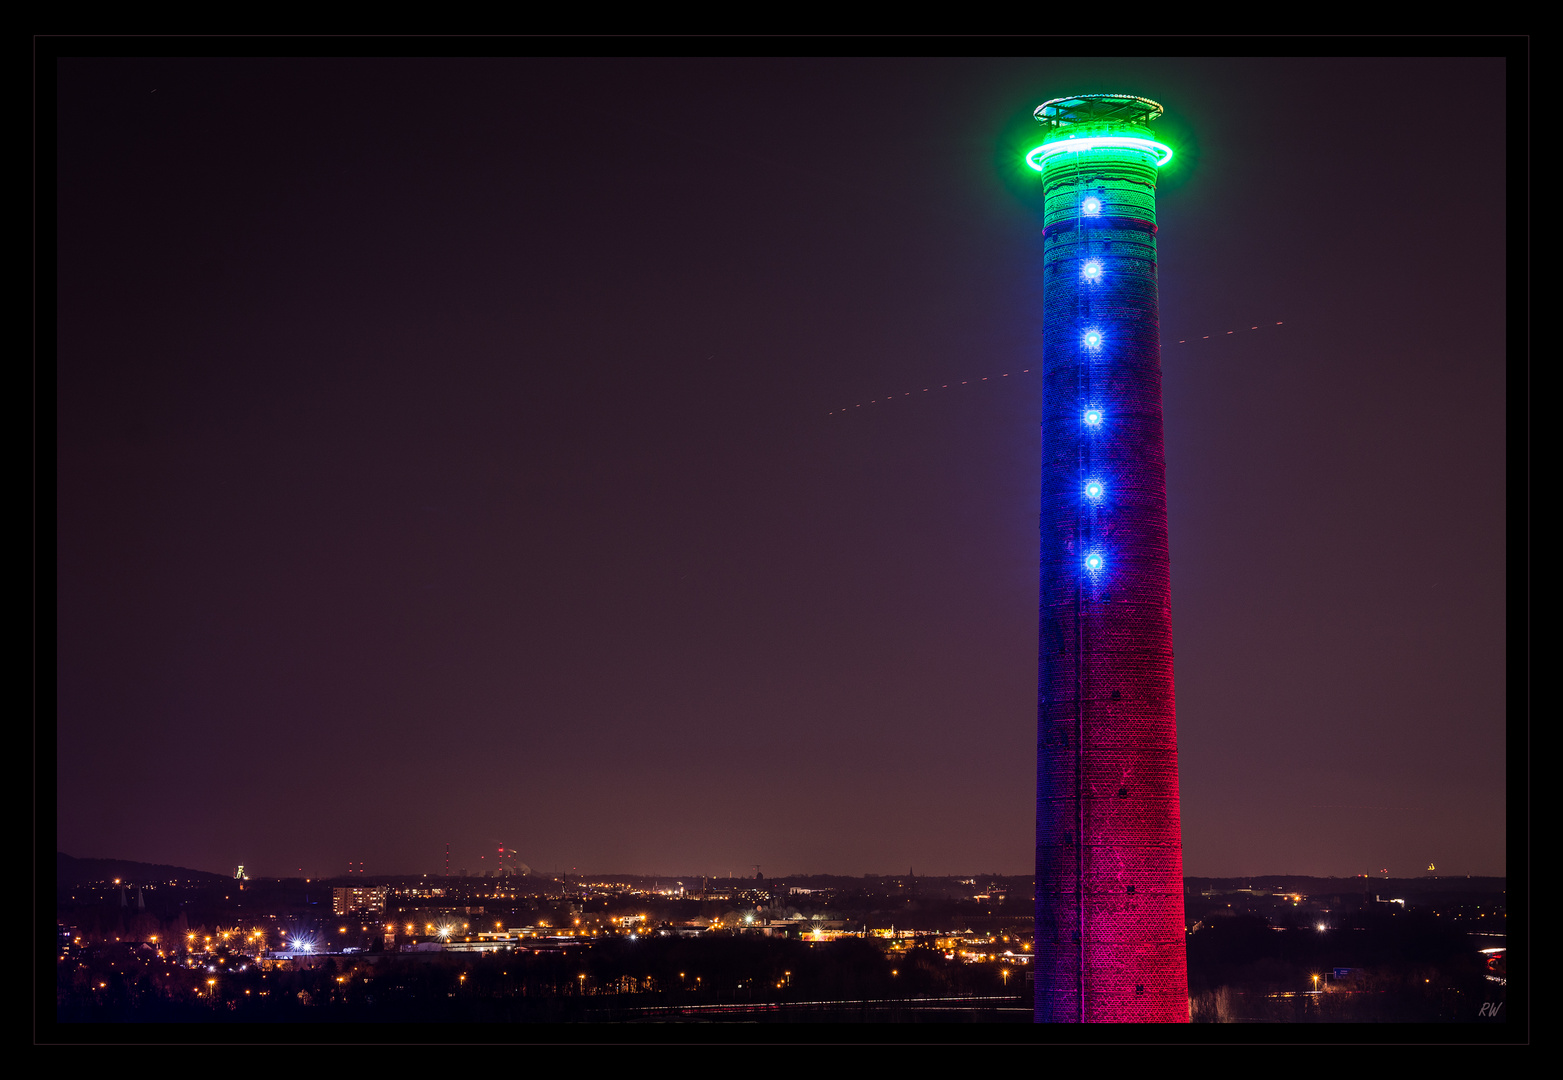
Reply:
x=1401, y=966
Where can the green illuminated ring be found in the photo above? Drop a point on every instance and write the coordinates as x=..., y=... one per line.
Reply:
x=1038, y=158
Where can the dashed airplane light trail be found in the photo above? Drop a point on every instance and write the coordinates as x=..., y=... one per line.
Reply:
x=991, y=378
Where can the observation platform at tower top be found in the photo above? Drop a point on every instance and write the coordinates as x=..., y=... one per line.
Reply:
x=1097, y=109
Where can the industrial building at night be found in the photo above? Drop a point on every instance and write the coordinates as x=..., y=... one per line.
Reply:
x=1109, y=885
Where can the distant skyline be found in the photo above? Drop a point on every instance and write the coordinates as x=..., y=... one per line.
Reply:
x=693, y=879
x=453, y=451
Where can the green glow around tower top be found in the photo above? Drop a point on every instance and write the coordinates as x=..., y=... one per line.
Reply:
x=1117, y=109
x=1097, y=122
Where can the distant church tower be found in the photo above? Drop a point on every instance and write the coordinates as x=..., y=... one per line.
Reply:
x=1109, y=899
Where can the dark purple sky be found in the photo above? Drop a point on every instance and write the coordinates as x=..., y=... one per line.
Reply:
x=445, y=456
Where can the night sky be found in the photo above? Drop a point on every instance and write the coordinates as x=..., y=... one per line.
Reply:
x=453, y=451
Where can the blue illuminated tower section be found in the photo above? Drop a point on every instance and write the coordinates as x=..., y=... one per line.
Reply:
x=1109, y=901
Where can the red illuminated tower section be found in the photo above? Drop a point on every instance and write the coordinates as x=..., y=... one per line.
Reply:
x=1109, y=899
